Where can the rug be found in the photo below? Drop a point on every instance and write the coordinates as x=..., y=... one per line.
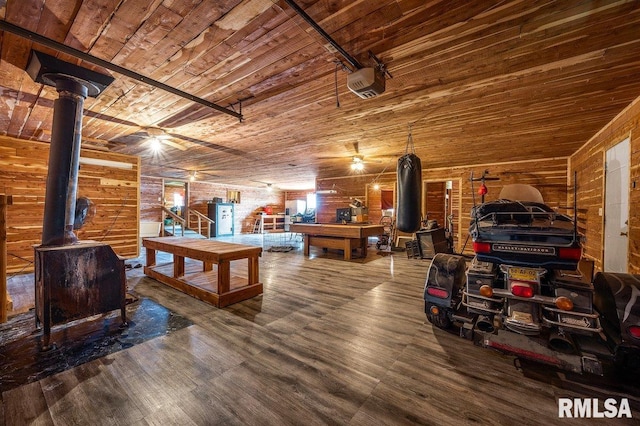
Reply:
x=280, y=249
x=78, y=342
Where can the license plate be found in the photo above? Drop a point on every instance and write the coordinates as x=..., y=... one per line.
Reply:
x=522, y=317
x=523, y=274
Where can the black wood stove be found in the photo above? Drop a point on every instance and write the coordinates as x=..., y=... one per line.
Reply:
x=73, y=279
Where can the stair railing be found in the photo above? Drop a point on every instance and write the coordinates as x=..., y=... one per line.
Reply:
x=202, y=218
x=175, y=218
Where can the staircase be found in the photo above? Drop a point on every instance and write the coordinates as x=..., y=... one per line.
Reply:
x=179, y=226
x=179, y=232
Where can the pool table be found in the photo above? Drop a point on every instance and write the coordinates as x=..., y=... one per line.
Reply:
x=337, y=236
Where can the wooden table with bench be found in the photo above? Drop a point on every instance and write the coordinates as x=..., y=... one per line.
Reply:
x=337, y=236
x=217, y=287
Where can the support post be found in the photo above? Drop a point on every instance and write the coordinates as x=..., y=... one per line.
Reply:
x=5, y=200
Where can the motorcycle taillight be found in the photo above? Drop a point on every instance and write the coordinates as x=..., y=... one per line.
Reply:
x=570, y=253
x=634, y=331
x=437, y=292
x=521, y=289
x=481, y=247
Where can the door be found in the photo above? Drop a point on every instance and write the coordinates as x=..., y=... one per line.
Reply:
x=616, y=216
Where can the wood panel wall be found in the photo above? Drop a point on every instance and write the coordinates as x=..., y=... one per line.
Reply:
x=252, y=201
x=588, y=163
x=114, y=191
x=151, y=190
x=346, y=190
x=374, y=201
x=548, y=175
x=433, y=197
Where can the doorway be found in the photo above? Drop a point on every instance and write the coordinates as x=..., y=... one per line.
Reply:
x=616, y=214
x=441, y=202
x=176, y=197
x=387, y=198
x=436, y=205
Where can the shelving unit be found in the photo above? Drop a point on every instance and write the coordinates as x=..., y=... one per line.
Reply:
x=274, y=222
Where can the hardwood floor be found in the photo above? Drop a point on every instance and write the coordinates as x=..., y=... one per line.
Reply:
x=329, y=342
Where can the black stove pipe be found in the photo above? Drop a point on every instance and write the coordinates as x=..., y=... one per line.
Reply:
x=64, y=162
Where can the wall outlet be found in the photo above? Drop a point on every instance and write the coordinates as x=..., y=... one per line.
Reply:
x=600, y=211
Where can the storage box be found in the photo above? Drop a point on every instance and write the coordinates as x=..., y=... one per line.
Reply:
x=412, y=249
x=360, y=218
x=432, y=241
x=479, y=274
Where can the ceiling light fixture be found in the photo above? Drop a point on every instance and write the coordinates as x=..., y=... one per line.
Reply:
x=192, y=176
x=357, y=164
x=269, y=187
x=156, y=146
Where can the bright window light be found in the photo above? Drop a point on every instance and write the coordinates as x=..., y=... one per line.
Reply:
x=178, y=200
x=311, y=201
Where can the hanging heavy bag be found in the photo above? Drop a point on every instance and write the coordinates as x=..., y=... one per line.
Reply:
x=409, y=193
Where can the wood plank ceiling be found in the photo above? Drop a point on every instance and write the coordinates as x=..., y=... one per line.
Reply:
x=479, y=81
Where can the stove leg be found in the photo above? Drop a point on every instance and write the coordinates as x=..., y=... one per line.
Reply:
x=123, y=316
x=46, y=338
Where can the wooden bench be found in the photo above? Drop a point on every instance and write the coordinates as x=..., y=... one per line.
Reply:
x=212, y=285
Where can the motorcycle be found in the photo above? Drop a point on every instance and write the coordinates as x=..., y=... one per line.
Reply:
x=529, y=292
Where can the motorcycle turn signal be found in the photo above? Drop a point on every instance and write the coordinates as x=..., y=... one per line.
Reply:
x=564, y=303
x=486, y=291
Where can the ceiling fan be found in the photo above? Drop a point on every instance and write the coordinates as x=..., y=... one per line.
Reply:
x=191, y=174
x=199, y=174
x=155, y=137
x=358, y=160
x=357, y=163
x=150, y=136
x=269, y=186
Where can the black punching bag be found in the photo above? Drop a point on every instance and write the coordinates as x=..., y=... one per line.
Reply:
x=409, y=193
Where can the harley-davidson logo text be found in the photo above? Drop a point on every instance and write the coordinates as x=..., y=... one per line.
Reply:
x=547, y=251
